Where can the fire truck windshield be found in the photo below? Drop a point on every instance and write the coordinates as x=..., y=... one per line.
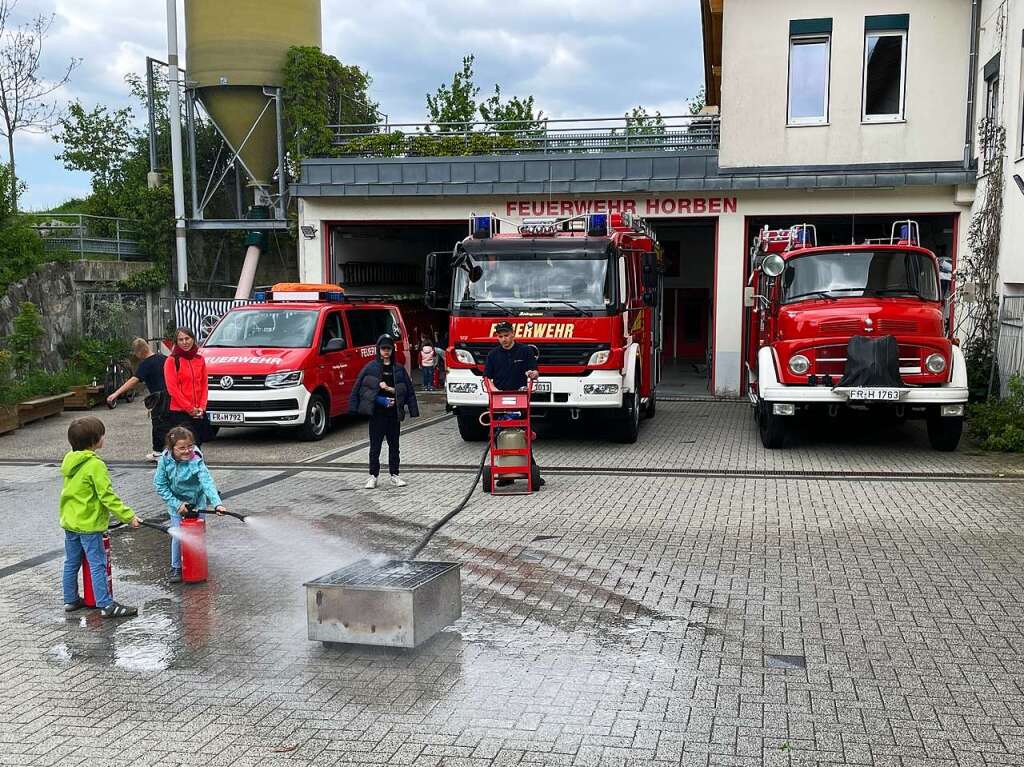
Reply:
x=859, y=273
x=559, y=282
x=274, y=328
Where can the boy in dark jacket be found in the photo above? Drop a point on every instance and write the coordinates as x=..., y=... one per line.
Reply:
x=383, y=391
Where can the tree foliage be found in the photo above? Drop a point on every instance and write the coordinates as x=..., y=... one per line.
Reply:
x=454, y=106
x=320, y=91
x=21, y=249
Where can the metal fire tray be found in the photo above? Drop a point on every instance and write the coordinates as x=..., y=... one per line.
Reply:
x=401, y=603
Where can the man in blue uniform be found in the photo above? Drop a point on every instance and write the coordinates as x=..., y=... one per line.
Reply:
x=508, y=367
x=510, y=364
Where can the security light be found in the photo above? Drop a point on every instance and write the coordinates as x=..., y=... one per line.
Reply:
x=1019, y=181
x=309, y=232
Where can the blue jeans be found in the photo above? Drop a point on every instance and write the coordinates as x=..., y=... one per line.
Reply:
x=91, y=544
x=428, y=377
x=175, y=540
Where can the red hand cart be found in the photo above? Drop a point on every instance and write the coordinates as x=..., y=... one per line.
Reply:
x=508, y=411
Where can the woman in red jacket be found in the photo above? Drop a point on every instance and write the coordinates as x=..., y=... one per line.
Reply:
x=185, y=376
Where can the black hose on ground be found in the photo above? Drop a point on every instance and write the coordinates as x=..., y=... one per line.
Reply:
x=447, y=517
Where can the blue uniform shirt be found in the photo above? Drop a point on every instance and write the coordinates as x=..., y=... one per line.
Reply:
x=508, y=368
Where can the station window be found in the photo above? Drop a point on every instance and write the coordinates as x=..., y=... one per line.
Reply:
x=992, y=116
x=810, y=42
x=885, y=68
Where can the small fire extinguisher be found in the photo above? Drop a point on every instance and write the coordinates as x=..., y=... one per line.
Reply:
x=193, y=548
x=88, y=596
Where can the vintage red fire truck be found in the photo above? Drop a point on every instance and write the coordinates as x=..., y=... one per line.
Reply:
x=851, y=327
x=291, y=358
x=584, y=291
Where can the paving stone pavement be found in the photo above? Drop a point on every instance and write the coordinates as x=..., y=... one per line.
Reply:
x=608, y=620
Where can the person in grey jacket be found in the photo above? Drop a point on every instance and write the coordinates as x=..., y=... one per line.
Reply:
x=383, y=392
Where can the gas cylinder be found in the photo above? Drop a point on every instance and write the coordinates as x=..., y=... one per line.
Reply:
x=88, y=597
x=511, y=439
x=193, y=549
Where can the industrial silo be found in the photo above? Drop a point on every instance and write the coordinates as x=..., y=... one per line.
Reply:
x=234, y=56
x=235, y=49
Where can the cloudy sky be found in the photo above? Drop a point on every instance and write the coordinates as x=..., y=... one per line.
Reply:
x=594, y=58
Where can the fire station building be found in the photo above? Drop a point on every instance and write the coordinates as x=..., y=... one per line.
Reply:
x=848, y=115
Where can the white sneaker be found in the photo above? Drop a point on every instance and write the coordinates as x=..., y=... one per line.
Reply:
x=371, y=483
x=153, y=456
x=397, y=481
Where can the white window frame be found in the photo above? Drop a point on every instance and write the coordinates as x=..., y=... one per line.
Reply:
x=901, y=116
x=825, y=37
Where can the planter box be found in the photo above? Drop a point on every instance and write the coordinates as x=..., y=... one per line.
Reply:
x=8, y=419
x=84, y=398
x=38, y=408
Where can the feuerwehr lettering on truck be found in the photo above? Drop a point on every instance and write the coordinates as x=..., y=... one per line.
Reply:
x=245, y=360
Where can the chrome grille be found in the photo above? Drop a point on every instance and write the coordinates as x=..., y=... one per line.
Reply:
x=239, y=382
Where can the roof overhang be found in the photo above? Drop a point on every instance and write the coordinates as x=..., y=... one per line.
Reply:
x=711, y=23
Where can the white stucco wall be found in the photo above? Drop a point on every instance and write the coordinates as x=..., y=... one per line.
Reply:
x=755, y=55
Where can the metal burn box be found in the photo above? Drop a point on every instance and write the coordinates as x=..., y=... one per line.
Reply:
x=398, y=604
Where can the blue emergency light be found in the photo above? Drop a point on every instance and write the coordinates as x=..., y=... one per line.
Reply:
x=481, y=227
x=334, y=295
x=597, y=225
x=260, y=296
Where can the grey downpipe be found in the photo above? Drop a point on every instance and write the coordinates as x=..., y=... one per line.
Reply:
x=972, y=82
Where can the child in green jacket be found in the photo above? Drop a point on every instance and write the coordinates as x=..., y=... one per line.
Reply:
x=86, y=503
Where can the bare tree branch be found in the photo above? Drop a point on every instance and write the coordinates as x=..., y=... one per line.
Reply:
x=25, y=97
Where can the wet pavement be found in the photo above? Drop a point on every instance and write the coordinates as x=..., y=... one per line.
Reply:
x=689, y=600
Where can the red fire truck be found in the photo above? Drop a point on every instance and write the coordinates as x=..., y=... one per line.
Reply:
x=850, y=326
x=584, y=291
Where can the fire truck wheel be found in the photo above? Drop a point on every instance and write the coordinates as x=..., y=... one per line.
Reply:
x=944, y=433
x=485, y=480
x=469, y=425
x=315, y=426
x=652, y=405
x=628, y=426
x=771, y=427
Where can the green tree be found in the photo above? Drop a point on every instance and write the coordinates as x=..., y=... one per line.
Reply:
x=698, y=102
x=23, y=343
x=454, y=106
x=514, y=116
x=320, y=91
x=21, y=249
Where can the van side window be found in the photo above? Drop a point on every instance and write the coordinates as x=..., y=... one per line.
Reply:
x=332, y=329
x=367, y=325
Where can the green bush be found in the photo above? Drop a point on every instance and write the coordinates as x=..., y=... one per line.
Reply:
x=998, y=424
x=23, y=343
x=89, y=356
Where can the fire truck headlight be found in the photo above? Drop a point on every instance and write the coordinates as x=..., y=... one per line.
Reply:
x=462, y=388
x=465, y=356
x=284, y=378
x=600, y=388
x=935, y=363
x=599, y=358
x=799, y=364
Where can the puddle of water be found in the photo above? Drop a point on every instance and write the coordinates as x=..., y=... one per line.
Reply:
x=144, y=643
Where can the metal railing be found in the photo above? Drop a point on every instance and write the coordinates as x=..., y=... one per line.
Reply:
x=668, y=133
x=88, y=237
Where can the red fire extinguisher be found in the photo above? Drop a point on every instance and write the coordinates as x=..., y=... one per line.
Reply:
x=88, y=597
x=193, y=548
